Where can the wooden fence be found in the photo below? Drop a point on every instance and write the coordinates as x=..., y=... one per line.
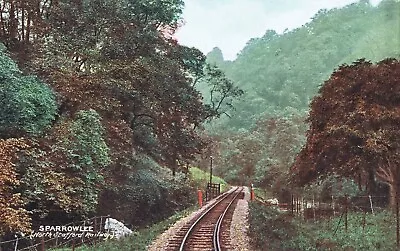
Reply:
x=40, y=240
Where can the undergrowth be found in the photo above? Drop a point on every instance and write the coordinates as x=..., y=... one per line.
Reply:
x=139, y=240
x=274, y=230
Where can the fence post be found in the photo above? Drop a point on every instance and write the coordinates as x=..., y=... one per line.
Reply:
x=95, y=229
x=292, y=201
x=313, y=206
x=346, y=210
x=370, y=202
x=16, y=245
x=83, y=233
x=200, y=197
x=101, y=223
x=57, y=241
x=298, y=205
x=397, y=218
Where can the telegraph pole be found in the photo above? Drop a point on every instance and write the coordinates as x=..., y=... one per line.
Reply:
x=211, y=168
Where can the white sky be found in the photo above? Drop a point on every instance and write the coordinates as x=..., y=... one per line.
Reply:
x=229, y=24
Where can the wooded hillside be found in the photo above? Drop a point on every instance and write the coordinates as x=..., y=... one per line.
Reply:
x=280, y=75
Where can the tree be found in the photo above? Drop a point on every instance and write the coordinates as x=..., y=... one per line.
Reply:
x=354, y=126
x=223, y=91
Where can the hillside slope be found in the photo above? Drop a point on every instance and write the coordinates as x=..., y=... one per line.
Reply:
x=282, y=72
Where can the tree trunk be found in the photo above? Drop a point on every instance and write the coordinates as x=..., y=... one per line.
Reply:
x=390, y=174
x=393, y=193
x=392, y=196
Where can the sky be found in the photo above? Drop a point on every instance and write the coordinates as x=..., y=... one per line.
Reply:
x=229, y=24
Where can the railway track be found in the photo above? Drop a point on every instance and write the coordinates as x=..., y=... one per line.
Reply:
x=210, y=230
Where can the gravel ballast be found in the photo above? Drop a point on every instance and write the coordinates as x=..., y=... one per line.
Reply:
x=239, y=227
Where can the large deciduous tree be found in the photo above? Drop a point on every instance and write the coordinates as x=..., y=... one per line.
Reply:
x=354, y=129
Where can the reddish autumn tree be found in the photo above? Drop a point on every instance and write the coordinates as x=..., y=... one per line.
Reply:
x=13, y=216
x=354, y=130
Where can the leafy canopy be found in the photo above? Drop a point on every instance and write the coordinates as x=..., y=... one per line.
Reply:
x=354, y=125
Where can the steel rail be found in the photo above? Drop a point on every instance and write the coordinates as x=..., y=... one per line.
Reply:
x=190, y=230
x=216, y=241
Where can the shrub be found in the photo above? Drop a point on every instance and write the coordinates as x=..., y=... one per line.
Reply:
x=269, y=228
x=27, y=105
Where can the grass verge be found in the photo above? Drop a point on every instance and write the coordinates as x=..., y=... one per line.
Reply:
x=201, y=178
x=273, y=230
x=139, y=240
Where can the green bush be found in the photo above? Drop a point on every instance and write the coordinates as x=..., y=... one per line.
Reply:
x=89, y=154
x=27, y=105
x=269, y=228
x=147, y=195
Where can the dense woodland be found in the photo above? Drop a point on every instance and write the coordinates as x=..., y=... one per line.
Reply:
x=97, y=102
x=281, y=74
x=103, y=112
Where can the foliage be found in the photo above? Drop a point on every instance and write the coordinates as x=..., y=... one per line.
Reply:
x=200, y=178
x=126, y=67
x=354, y=126
x=13, y=216
x=332, y=185
x=269, y=229
x=88, y=143
x=223, y=91
x=119, y=58
x=63, y=172
x=149, y=194
x=281, y=73
x=278, y=231
x=261, y=156
x=376, y=233
x=127, y=107
x=90, y=153
x=27, y=105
